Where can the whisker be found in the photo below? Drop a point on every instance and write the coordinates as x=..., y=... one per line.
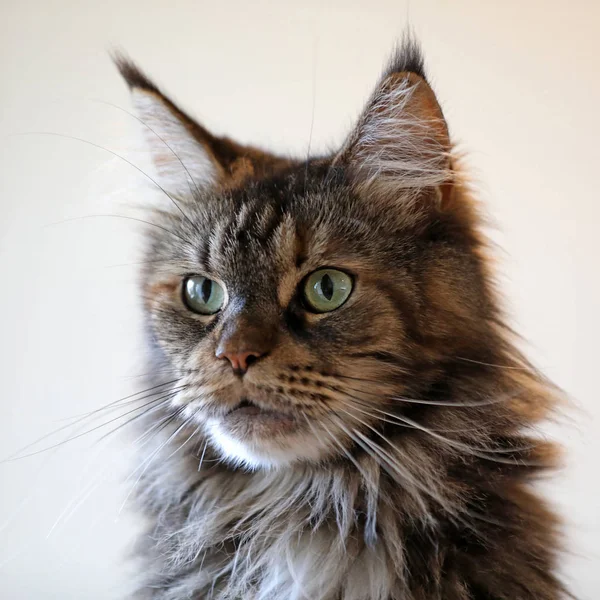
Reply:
x=486, y=364
x=455, y=404
x=129, y=397
x=312, y=117
x=363, y=402
x=160, y=187
x=190, y=419
x=474, y=404
x=133, y=116
x=455, y=515
x=147, y=463
x=485, y=452
x=128, y=218
x=341, y=447
x=80, y=418
x=389, y=463
x=29, y=496
x=350, y=378
x=158, y=404
x=481, y=453
x=144, y=262
x=202, y=457
x=453, y=511
x=77, y=501
x=166, y=370
x=20, y=457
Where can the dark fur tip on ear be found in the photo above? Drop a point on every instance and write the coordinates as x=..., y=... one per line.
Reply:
x=132, y=74
x=407, y=57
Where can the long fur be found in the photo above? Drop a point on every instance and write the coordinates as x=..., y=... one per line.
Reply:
x=407, y=476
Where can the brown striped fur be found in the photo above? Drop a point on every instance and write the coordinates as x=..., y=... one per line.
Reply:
x=407, y=471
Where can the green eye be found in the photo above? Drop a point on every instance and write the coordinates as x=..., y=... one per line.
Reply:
x=203, y=295
x=327, y=289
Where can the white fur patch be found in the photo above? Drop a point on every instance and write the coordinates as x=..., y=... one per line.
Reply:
x=268, y=455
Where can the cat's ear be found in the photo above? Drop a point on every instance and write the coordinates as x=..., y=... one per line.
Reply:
x=401, y=140
x=187, y=157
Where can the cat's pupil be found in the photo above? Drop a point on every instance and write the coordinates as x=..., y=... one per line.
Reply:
x=205, y=290
x=327, y=286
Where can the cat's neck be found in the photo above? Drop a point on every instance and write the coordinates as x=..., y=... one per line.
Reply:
x=330, y=530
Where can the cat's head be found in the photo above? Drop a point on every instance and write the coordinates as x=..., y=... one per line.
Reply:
x=296, y=303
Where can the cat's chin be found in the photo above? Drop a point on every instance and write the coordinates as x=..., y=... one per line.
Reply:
x=255, y=438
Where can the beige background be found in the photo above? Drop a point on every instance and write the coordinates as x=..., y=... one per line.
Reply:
x=519, y=83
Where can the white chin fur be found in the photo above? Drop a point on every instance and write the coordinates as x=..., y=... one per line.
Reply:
x=267, y=454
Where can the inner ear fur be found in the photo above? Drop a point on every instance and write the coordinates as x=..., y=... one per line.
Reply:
x=209, y=159
x=401, y=140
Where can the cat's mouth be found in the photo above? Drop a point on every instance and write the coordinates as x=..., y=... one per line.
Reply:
x=247, y=407
x=249, y=416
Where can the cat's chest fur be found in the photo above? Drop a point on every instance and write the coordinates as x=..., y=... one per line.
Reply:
x=299, y=534
x=331, y=532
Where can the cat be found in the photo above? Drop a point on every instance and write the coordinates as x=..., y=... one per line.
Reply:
x=337, y=409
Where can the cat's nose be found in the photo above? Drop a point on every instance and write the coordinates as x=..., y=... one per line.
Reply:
x=244, y=340
x=240, y=361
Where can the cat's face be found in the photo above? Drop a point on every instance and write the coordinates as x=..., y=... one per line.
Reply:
x=294, y=302
x=258, y=260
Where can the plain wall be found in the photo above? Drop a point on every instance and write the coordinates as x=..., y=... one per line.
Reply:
x=518, y=81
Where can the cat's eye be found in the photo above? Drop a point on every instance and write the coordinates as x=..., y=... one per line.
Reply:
x=326, y=289
x=203, y=295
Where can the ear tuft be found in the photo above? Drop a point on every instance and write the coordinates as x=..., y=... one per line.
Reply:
x=179, y=147
x=407, y=57
x=401, y=140
x=132, y=74
x=186, y=156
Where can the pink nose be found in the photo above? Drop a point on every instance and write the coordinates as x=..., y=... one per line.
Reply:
x=240, y=361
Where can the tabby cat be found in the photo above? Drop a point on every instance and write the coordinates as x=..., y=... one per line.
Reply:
x=337, y=408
